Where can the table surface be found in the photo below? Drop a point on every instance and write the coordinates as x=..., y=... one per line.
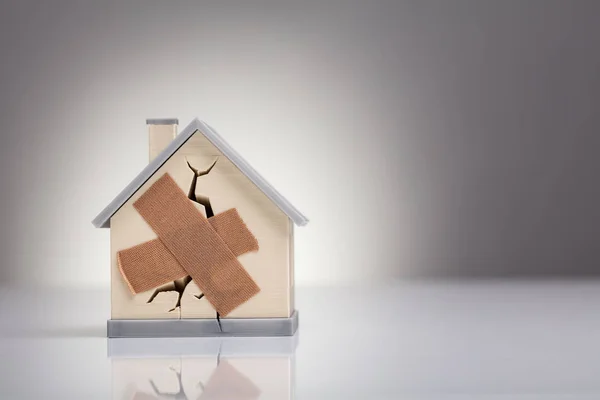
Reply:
x=420, y=340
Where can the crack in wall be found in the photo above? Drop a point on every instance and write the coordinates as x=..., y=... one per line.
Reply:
x=179, y=285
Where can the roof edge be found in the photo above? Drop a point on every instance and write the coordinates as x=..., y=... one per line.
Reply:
x=285, y=206
x=102, y=220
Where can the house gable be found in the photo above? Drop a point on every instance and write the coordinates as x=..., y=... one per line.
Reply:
x=227, y=186
x=103, y=219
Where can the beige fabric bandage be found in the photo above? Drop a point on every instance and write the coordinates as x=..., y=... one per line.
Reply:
x=150, y=264
x=195, y=244
x=234, y=232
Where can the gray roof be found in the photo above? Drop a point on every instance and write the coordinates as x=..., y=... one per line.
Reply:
x=103, y=219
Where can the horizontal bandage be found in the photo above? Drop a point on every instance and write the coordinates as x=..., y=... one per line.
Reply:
x=150, y=264
x=196, y=245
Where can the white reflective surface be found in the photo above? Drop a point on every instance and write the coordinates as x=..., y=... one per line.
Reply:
x=467, y=340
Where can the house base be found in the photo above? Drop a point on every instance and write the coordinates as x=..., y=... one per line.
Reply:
x=153, y=328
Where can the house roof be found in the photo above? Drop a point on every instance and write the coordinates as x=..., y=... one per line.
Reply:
x=102, y=220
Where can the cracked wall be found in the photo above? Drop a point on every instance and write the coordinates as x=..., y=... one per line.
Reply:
x=224, y=187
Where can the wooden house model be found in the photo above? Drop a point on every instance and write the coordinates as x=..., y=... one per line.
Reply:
x=201, y=244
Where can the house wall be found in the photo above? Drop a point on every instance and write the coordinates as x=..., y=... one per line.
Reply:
x=292, y=272
x=227, y=187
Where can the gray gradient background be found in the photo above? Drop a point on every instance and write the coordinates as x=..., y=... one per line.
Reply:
x=422, y=138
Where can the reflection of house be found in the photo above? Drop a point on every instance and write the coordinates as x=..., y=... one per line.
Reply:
x=216, y=371
x=238, y=266
x=225, y=383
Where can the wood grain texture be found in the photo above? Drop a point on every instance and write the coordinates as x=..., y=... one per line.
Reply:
x=227, y=187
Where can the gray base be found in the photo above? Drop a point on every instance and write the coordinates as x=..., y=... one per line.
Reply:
x=152, y=328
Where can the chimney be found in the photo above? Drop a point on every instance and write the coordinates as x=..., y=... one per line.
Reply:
x=160, y=133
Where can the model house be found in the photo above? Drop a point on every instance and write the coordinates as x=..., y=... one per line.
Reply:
x=201, y=244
